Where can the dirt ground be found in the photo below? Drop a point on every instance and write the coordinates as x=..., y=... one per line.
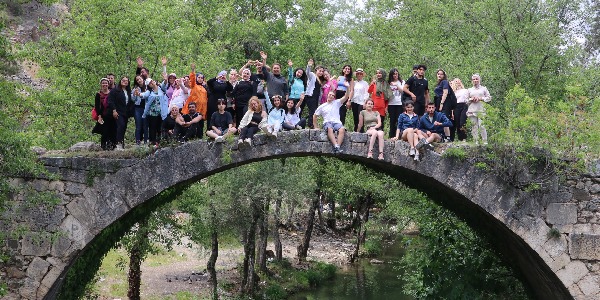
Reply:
x=161, y=282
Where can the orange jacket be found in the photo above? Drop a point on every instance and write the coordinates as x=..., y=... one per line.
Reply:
x=198, y=95
x=379, y=103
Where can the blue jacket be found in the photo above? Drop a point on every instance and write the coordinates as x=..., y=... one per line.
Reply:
x=426, y=125
x=276, y=115
x=405, y=121
x=151, y=96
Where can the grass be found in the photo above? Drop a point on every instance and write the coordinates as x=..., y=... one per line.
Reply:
x=290, y=279
x=113, y=271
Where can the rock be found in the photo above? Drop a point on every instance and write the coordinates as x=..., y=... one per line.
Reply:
x=39, y=150
x=85, y=146
x=594, y=189
x=584, y=246
x=572, y=273
x=37, y=269
x=590, y=285
x=561, y=213
x=35, y=246
x=15, y=273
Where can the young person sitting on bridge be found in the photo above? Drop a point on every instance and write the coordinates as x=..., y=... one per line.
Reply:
x=221, y=123
x=330, y=111
x=432, y=125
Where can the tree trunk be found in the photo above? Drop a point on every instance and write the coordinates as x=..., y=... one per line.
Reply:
x=320, y=210
x=136, y=256
x=212, y=260
x=365, y=218
x=303, y=248
x=250, y=253
x=331, y=223
x=264, y=236
x=277, y=223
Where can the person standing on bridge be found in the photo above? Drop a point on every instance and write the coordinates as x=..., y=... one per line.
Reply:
x=106, y=125
x=418, y=89
x=155, y=110
x=381, y=93
x=478, y=94
x=120, y=104
x=330, y=111
x=345, y=86
x=276, y=83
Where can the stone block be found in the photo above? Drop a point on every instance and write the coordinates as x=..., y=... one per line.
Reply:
x=60, y=247
x=581, y=195
x=14, y=272
x=85, y=146
x=560, y=197
x=34, y=245
x=51, y=276
x=594, y=189
x=73, y=188
x=584, y=246
x=561, y=213
x=590, y=285
x=357, y=137
x=56, y=185
x=572, y=273
x=556, y=246
x=29, y=289
x=559, y=262
x=37, y=269
x=76, y=231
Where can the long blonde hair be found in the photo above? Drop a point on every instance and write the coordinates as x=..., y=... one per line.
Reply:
x=258, y=104
x=456, y=84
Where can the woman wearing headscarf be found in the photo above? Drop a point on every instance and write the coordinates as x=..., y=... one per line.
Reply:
x=217, y=89
x=381, y=94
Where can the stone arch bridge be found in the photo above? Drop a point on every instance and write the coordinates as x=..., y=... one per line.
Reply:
x=551, y=238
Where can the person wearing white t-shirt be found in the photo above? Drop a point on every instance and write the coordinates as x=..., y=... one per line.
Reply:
x=330, y=111
x=361, y=95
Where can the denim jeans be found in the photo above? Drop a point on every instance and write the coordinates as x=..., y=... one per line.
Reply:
x=141, y=125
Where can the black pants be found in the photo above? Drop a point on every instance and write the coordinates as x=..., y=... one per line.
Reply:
x=312, y=102
x=343, y=109
x=193, y=131
x=121, y=128
x=460, y=120
x=394, y=111
x=108, y=139
x=154, y=123
x=356, y=108
x=248, y=132
x=240, y=110
x=301, y=123
x=419, y=108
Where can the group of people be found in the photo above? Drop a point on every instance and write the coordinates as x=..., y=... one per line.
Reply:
x=176, y=108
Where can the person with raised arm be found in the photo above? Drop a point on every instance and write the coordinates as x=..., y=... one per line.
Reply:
x=330, y=111
x=276, y=83
x=242, y=92
x=198, y=95
x=292, y=118
x=217, y=89
x=313, y=90
x=276, y=115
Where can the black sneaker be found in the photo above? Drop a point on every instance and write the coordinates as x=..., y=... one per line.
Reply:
x=335, y=149
x=340, y=150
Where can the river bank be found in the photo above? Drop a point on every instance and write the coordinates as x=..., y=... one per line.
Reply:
x=179, y=274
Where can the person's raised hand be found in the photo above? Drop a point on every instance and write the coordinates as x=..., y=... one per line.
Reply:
x=140, y=62
x=164, y=60
x=290, y=63
x=311, y=62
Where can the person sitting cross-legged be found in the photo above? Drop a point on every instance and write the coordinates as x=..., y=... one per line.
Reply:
x=431, y=126
x=189, y=124
x=330, y=111
x=221, y=123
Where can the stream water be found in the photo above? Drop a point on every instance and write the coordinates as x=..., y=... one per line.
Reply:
x=364, y=280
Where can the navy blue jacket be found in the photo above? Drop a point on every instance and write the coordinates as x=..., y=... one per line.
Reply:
x=405, y=121
x=426, y=125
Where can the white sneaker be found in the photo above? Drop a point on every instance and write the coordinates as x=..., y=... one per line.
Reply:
x=411, y=152
x=417, y=156
x=298, y=127
x=269, y=130
x=275, y=133
x=240, y=141
x=119, y=147
x=248, y=141
x=219, y=139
